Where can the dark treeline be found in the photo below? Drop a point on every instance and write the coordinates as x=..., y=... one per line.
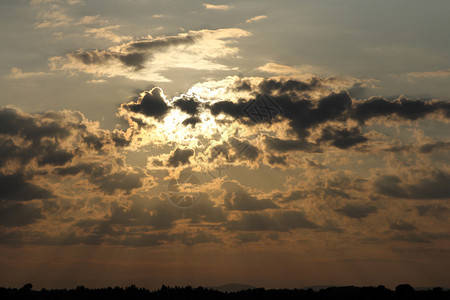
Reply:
x=402, y=292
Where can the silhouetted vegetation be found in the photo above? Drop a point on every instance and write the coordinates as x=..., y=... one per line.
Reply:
x=401, y=292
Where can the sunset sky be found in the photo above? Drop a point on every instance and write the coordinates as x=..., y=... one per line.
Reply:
x=278, y=144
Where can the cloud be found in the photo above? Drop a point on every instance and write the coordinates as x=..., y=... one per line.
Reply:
x=273, y=116
x=17, y=73
x=36, y=146
x=282, y=146
x=70, y=2
x=402, y=226
x=401, y=107
x=19, y=214
x=434, y=186
x=343, y=138
x=15, y=187
x=433, y=210
x=275, y=68
x=106, y=33
x=180, y=157
x=438, y=145
x=411, y=238
x=218, y=6
x=92, y=20
x=256, y=18
x=248, y=237
x=188, y=105
x=238, y=198
x=277, y=221
x=357, y=210
x=146, y=58
x=150, y=104
x=55, y=17
x=104, y=176
x=430, y=74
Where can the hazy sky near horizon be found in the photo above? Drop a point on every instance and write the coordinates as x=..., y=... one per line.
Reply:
x=270, y=143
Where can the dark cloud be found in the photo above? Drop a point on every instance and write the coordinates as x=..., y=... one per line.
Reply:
x=433, y=187
x=357, y=210
x=292, y=196
x=389, y=185
x=423, y=237
x=151, y=104
x=33, y=128
x=401, y=107
x=25, y=137
x=17, y=187
x=180, y=157
x=277, y=160
x=19, y=214
x=411, y=238
x=330, y=226
x=244, y=150
x=279, y=145
x=133, y=54
x=128, y=225
x=238, y=198
x=200, y=237
x=303, y=115
x=205, y=210
x=103, y=57
x=438, y=145
x=290, y=85
x=124, y=180
x=161, y=43
x=104, y=176
x=401, y=225
x=248, y=237
x=287, y=101
x=235, y=110
x=142, y=212
x=40, y=138
x=44, y=153
x=242, y=85
x=433, y=210
x=343, y=138
x=191, y=121
x=188, y=105
x=277, y=221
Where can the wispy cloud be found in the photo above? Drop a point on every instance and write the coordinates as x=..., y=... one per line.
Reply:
x=430, y=74
x=70, y=2
x=218, y=6
x=107, y=33
x=53, y=18
x=257, y=18
x=92, y=20
x=17, y=73
x=278, y=69
x=145, y=59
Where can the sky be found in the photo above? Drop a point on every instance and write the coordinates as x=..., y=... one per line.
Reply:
x=280, y=144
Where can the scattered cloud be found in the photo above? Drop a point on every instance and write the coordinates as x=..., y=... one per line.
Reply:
x=256, y=18
x=107, y=33
x=430, y=74
x=92, y=20
x=217, y=6
x=275, y=68
x=17, y=73
x=146, y=58
x=53, y=18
